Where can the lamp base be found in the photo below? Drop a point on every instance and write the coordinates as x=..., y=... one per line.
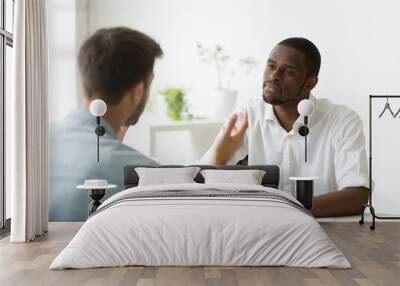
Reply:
x=100, y=130
x=303, y=130
x=305, y=190
x=305, y=193
x=96, y=195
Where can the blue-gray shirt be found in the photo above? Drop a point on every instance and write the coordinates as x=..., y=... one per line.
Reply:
x=73, y=159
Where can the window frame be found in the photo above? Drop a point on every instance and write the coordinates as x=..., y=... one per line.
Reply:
x=6, y=39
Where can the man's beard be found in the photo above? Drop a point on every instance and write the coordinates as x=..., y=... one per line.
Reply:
x=140, y=108
x=281, y=99
x=276, y=101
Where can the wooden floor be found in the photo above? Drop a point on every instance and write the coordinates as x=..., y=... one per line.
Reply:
x=374, y=255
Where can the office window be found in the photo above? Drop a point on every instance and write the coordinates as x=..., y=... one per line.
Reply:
x=9, y=19
x=6, y=43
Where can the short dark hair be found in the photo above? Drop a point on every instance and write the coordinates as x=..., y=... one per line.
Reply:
x=113, y=60
x=309, y=50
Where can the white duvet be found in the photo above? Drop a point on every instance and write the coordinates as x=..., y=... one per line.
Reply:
x=200, y=231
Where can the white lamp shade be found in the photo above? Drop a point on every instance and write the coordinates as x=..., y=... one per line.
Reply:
x=305, y=107
x=98, y=107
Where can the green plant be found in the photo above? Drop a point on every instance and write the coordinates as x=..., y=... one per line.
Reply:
x=176, y=103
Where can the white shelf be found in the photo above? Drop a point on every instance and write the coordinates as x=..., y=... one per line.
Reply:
x=202, y=133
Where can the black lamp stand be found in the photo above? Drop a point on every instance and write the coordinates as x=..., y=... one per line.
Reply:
x=303, y=131
x=369, y=204
x=100, y=131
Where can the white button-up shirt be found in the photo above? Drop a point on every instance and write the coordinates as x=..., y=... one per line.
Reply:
x=335, y=146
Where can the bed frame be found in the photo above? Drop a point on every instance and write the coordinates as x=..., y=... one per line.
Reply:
x=270, y=179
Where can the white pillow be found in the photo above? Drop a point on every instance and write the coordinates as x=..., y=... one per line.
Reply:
x=248, y=177
x=164, y=176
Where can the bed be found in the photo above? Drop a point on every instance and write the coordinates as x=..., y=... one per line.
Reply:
x=201, y=224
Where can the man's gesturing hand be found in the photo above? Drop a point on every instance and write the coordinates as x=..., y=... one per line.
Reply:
x=229, y=139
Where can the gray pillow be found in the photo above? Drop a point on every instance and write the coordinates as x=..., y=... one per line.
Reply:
x=248, y=177
x=165, y=176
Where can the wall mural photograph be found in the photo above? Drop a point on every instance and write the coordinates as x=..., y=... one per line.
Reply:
x=178, y=141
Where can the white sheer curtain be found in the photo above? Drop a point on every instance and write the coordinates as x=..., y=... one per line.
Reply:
x=28, y=118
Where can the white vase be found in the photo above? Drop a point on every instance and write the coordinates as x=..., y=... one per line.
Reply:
x=222, y=103
x=212, y=103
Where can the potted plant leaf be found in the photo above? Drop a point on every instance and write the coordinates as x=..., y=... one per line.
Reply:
x=176, y=105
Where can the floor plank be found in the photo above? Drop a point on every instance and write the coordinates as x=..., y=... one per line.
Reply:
x=374, y=255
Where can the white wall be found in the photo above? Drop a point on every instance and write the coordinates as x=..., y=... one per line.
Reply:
x=62, y=58
x=358, y=41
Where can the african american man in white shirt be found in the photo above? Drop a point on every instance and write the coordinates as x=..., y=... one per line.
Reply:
x=266, y=131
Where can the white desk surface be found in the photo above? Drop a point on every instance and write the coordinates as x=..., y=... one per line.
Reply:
x=304, y=178
x=185, y=124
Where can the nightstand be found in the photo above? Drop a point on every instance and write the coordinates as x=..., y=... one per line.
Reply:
x=96, y=191
x=305, y=190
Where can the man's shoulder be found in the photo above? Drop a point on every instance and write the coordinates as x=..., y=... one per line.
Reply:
x=122, y=153
x=338, y=117
x=253, y=106
x=336, y=112
x=75, y=136
x=76, y=120
x=255, y=102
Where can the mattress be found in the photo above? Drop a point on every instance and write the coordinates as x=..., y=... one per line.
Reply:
x=201, y=225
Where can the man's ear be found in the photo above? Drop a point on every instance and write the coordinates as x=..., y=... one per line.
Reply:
x=311, y=83
x=136, y=93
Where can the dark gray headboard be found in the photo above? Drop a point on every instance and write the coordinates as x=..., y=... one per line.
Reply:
x=270, y=179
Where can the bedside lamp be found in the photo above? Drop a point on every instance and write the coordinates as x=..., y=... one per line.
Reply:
x=305, y=185
x=97, y=188
x=305, y=107
x=98, y=108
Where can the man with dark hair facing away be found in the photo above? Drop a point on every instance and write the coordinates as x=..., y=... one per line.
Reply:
x=116, y=65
